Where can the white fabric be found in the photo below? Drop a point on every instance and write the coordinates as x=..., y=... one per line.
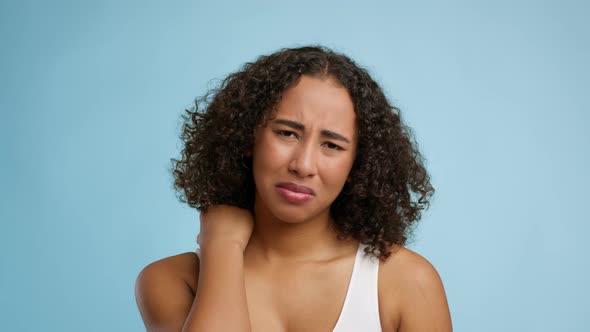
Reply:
x=361, y=305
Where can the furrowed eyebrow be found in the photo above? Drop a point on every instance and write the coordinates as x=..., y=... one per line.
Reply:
x=334, y=135
x=300, y=126
x=289, y=123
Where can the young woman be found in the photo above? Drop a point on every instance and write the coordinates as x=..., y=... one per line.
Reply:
x=308, y=184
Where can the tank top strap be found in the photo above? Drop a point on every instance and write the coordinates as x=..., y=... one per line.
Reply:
x=360, y=311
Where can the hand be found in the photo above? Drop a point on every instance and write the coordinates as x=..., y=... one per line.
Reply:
x=225, y=223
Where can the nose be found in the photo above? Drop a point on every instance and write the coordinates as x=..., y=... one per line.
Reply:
x=304, y=160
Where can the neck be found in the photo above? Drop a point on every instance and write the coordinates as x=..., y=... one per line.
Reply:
x=274, y=240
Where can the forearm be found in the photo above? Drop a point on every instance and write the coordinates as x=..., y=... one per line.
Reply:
x=220, y=302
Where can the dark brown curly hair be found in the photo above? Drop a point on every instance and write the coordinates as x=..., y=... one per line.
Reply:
x=388, y=184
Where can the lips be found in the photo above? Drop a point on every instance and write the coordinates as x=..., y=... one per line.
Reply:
x=296, y=188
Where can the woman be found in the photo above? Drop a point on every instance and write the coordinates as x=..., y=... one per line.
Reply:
x=308, y=184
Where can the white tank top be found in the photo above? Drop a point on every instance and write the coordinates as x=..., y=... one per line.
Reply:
x=360, y=311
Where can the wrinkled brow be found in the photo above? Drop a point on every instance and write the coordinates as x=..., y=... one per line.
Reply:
x=301, y=127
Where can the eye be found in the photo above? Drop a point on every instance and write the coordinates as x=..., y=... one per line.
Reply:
x=333, y=146
x=286, y=133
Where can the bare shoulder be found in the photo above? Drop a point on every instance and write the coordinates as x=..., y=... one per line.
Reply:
x=408, y=268
x=165, y=290
x=414, y=289
x=184, y=266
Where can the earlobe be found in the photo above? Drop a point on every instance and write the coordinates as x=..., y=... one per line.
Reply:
x=245, y=159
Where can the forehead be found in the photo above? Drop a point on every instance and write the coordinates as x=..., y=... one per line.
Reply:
x=318, y=102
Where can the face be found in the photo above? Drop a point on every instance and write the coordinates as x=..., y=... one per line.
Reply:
x=303, y=156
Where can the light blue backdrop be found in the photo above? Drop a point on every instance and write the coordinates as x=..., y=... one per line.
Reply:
x=91, y=94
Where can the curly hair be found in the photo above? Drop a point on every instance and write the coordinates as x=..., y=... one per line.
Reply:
x=388, y=185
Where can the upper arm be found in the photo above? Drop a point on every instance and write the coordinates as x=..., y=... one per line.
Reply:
x=163, y=296
x=423, y=302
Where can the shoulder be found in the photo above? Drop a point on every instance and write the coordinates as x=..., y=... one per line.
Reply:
x=409, y=268
x=412, y=287
x=165, y=290
x=183, y=266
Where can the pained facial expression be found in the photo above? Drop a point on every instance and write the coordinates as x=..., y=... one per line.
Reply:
x=302, y=157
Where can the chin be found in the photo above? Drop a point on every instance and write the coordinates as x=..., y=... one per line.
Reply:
x=294, y=214
x=289, y=217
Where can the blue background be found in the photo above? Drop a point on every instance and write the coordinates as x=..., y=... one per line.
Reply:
x=91, y=97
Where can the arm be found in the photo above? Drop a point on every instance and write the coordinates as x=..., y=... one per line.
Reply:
x=163, y=296
x=166, y=301
x=424, y=301
x=220, y=303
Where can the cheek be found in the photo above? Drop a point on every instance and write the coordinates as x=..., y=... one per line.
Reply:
x=267, y=159
x=270, y=155
x=336, y=172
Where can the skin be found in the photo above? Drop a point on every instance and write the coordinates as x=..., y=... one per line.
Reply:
x=282, y=269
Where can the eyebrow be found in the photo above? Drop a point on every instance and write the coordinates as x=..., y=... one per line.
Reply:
x=300, y=126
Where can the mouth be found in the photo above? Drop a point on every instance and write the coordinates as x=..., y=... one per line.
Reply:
x=296, y=188
x=295, y=193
